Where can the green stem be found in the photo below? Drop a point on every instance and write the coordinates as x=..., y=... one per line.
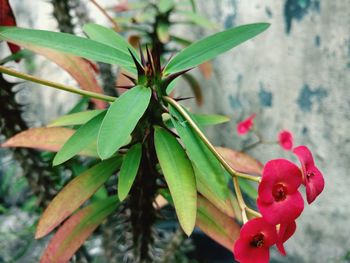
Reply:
x=240, y=200
x=229, y=169
x=56, y=85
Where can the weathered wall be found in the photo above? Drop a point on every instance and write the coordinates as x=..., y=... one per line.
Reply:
x=294, y=76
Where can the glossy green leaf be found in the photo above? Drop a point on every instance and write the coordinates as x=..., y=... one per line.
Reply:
x=73, y=233
x=121, y=119
x=68, y=43
x=179, y=175
x=74, y=194
x=110, y=38
x=209, y=169
x=84, y=136
x=78, y=118
x=128, y=171
x=212, y=46
x=47, y=139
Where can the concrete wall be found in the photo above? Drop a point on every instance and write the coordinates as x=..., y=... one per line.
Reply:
x=294, y=76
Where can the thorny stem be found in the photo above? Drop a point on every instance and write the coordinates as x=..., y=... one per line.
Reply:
x=104, y=12
x=231, y=171
x=56, y=85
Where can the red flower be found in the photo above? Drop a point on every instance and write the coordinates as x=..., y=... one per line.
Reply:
x=285, y=140
x=284, y=233
x=279, y=200
x=246, y=125
x=312, y=177
x=255, y=240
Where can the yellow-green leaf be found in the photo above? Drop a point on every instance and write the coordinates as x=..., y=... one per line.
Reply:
x=84, y=136
x=77, y=118
x=73, y=233
x=74, y=194
x=128, y=171
x=179, y=175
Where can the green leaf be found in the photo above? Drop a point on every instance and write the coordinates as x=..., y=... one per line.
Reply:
x=128, y=171
x=110, y=38
x=179, y=175
x=210, y=119
x=68, y=43
x=84, y=136
x=121, y=119
x=212, y=46
x=248, y=189
x=209, y=169
x=74, y=194
x=165, y=5
x=77, y=229
x=78, y=118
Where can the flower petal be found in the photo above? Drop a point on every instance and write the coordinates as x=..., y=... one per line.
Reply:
x=279, y=171
x=283, y=211
x=246, y=125
x=312, y=177
x=285, y=140
x=284, y=233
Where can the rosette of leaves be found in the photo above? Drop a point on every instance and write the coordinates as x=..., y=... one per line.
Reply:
x=147, y=137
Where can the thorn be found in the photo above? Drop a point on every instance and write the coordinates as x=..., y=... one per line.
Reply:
x=183, y=98
x=150, y=58
x=130, y=78
x=173, y=76
x=140, y=69
x=125, y=87
x=143, y=61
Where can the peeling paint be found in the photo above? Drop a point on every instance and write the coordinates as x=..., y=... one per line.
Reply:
x=307, y=97
x=317, y=41
x=265, y=96
x=297, y=9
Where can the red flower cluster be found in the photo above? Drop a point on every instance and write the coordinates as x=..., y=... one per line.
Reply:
x=285, y=140
x=246, y=125
x=280, y=204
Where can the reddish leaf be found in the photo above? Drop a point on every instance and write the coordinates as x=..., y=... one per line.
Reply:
x=207, y=69
x=195, y=87
x=76, y=230
x=80, y=69
x=47, y=139
x=240, y=161
x=215, y=224
x=8, y=19
x=227, y=206
x=74, y=194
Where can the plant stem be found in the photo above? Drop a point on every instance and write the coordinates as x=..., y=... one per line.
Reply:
x=240, y=200
x=231, y=171
x=253, y=212
x=104, y=12
x=56, y=85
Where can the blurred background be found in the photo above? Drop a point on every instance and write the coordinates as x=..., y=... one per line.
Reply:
x=294, y=76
